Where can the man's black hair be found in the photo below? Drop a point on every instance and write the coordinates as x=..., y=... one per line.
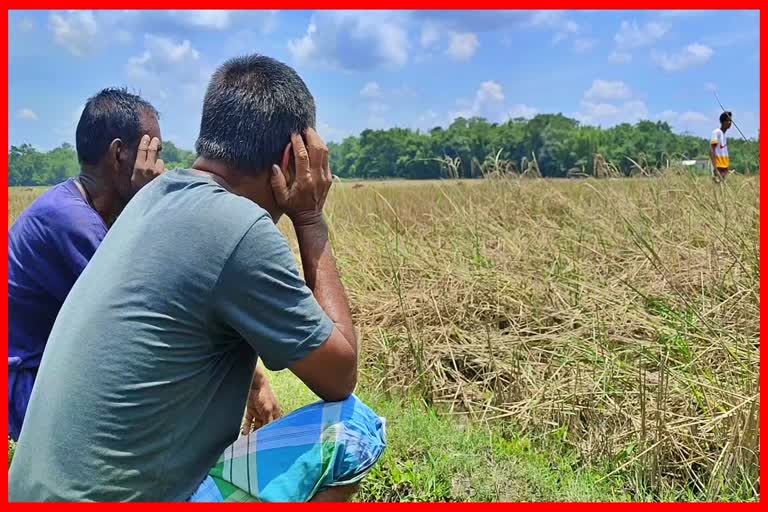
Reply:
x=113, y=113
x=725, y=116
x=252, y=106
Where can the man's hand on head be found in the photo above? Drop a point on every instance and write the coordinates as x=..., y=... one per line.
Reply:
x=148, y=166
x=304, y=199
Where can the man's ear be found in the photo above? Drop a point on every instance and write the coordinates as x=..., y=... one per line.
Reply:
x=117, y=152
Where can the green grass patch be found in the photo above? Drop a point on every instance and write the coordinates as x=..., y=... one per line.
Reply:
x=434, y=457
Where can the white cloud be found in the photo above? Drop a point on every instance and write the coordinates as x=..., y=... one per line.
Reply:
x=353, y=40
x=205, y=19
x=180, y=22
x=608, y=90
x=27, y=115
x=265, y=21
x=710, y=86
x=462, y=46
x=77, y=31
x=686, y=117
x=694, y=122
x=485, y=21
x=693, y=117
x=556, y=20
x=430, y=34
x=568, y=28
x=608, y=114
x=171, y=69
x=490, y=91
x=488, y=103
x=583, y=45
x=523, y=111
x=546, y=18
x=694, y=54
x=371, y=90
x=610, y=102
x=305, y=48
x=82, y=32
x=26, y=25
x=668, y=115
x=672, y=13
x=619, y=57
x=331, y=133
x=164, y=56
x=632, y=35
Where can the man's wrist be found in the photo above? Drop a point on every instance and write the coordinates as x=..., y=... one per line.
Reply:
x=309, y=221
x=259, y=378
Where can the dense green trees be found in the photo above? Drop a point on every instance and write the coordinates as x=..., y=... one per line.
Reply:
x=557, y=143
x=466, y=148
x=29, y=167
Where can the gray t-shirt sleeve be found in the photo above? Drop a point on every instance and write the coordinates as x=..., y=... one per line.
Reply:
x=261, y=295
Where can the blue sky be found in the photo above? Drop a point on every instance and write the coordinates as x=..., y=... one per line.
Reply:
x=379, y=69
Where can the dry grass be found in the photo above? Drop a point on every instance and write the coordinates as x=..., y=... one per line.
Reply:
x=620, y=316
x=19, y=198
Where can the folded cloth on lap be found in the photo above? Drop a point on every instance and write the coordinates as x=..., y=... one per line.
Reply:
x=322, y=445
x=207, y=492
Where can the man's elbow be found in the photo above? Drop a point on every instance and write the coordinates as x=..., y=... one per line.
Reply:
x=330, y=371
x=342, y=390
x=347, y=381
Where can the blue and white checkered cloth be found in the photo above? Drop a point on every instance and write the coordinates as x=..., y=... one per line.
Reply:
x=322, y=445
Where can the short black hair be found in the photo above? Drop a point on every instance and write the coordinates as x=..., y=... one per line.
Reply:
x=252, y=106
x=112, y=113
x=725, y=116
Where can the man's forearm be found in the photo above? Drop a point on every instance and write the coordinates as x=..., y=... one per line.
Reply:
x=322, y=276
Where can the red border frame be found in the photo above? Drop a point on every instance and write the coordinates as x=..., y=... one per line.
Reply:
x=401, y=4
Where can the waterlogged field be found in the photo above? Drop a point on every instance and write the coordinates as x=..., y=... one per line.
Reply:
x=577, y=340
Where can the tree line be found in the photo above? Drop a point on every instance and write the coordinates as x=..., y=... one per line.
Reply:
x=29, y=167
x=551, y=145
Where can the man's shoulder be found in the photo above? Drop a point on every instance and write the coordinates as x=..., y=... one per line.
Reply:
x=59, y=210
x=181, y=205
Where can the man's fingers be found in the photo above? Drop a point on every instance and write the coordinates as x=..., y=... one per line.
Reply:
x=141, y=155
x=313, y=140
x=317, y=148
x=159, y=166
x=301, y=155
x=246, y=427
x=327, y=168
x=154, y=145
x=279, y=186
x=286, y=163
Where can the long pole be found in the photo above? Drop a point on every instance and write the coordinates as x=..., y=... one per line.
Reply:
x=731, y=118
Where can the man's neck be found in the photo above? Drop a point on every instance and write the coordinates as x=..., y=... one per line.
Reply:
x=100, y=194
x=255, y=187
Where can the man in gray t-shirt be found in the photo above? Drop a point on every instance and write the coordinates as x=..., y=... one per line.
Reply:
x=150, y=362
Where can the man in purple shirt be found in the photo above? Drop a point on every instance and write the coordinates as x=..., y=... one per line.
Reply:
x=118, y=143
